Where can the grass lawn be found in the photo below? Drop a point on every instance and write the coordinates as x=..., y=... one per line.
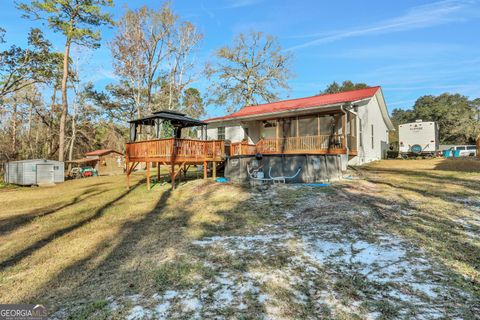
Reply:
x=401, y=239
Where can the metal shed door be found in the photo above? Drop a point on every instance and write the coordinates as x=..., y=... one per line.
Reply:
x=45, y=173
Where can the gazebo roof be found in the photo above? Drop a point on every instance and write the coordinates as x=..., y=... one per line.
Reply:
x=177, y=119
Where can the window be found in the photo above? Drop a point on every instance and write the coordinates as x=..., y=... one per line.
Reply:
x=221, y=133
x=245, y=133
x=373, y=144
x=471, y=147
x=360, y=131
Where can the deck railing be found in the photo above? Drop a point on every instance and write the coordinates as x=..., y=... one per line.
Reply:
x=321, y=144
x=178, y=149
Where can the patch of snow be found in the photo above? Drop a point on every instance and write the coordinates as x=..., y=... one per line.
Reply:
x=170, y=294
x=192, y=304
x=138, y=313
x=162, y=308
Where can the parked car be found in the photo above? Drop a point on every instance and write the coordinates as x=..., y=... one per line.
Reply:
x=464, y=151
x=83, y=172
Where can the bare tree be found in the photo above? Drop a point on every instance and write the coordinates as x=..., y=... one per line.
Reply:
x=154, y=55
x=186, y=39
x=140, y=47
x=249, y=72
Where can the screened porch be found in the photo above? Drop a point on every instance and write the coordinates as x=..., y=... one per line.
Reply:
x=307, y=134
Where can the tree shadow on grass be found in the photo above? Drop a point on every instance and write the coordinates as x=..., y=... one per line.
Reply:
x=17, y=221
x=470, y=164
x=426, y=174
x=128, y=266
x=18, y=256
x=440, y=235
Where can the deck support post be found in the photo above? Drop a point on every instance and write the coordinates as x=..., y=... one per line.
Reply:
x=158, y=171
x=214, y=170
x=205, y=170
x=127, y=164
x=148, y=174
x=172, y=174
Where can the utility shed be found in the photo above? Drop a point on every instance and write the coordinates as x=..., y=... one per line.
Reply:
x=34, y=172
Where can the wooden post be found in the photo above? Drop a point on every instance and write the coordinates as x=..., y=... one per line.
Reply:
x=205, y=170
x=148, y=174
x=297, y=142
x=318, y=124
x=172, y=174
x=127, y=163
x=214, y=170
x=276, y=135
x=158, y=171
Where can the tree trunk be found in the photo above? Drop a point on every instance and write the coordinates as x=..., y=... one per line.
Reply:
x=63, y=116
x=74, y=132
x=49, y=140
x=14, y=129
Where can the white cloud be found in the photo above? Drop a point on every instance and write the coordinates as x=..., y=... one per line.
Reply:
x=241, y=3
x=400, y=51
x=418, y=17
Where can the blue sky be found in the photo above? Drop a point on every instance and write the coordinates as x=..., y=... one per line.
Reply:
x=410, y=48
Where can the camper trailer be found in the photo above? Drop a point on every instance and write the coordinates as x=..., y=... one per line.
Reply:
x=418, y=138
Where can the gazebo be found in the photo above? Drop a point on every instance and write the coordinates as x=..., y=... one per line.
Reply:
x=174, y=151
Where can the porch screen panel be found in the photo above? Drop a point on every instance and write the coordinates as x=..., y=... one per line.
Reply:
x=307, y=126
x=326, y=123
x=338, y=121
x=290, y=127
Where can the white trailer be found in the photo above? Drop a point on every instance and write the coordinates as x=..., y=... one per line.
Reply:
x=418, y=138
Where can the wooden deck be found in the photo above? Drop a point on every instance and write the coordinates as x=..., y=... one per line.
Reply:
x=173, y=152
x=321, y=144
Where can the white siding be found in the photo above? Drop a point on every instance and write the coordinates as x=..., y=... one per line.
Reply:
x=24, y=172
x=233, y=132
x=371, y=116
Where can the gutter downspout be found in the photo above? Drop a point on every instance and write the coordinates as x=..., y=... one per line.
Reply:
x=348, y=108
x=345, y=131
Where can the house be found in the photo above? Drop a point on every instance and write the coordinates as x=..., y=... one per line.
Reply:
x=319, y=134
x=106, y=161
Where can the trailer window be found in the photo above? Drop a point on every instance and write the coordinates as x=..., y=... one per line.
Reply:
x=471, y=147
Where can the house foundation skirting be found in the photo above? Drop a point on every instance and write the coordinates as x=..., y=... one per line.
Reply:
x=314, y=168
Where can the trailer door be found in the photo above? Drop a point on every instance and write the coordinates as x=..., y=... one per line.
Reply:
x=45, y=173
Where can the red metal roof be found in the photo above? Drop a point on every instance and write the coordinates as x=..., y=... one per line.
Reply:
x=100, y=152
x=315, y=101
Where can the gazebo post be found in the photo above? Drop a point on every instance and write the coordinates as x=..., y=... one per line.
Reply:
x=205, y=170
x=158, y=171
